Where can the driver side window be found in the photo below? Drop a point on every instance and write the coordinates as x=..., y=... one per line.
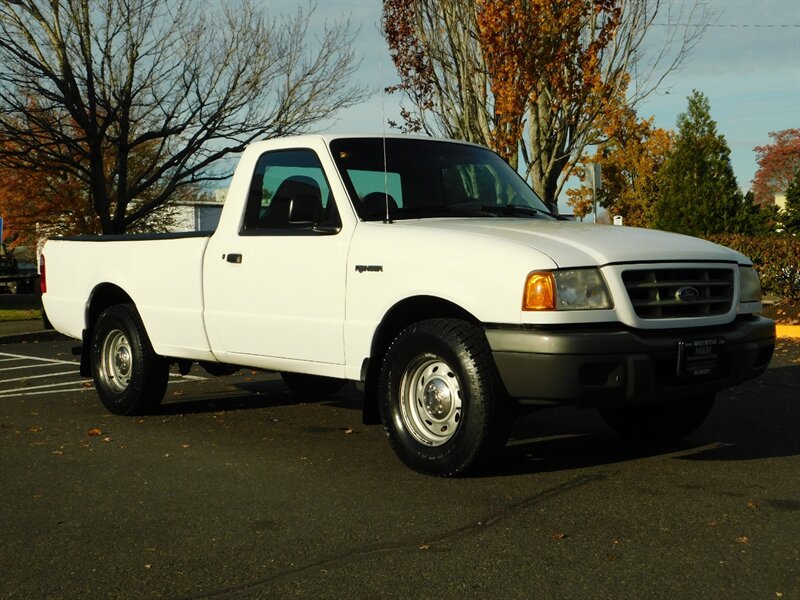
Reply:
x=289, y=194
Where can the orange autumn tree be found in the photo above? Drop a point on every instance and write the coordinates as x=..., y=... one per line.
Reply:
x=41, y=203
x=544, y=61
x=532, y=78
x=630, y=160
x=778, y=163
x=40, y=198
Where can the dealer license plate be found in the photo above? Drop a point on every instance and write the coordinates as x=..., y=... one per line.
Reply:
x=698, y=358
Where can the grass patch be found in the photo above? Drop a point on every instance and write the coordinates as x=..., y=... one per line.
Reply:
x=25, y=314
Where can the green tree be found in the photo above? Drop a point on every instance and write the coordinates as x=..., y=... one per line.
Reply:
x=764, y=219
x=698, y=193
x=791, y=217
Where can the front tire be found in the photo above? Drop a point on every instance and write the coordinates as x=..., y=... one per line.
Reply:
x=442, y=406
x=129, y=376
x=662, y=422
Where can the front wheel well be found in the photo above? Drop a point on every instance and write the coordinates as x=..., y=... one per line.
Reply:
x=400, y=316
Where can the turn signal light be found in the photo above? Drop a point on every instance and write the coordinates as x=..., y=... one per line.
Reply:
x=539, y=292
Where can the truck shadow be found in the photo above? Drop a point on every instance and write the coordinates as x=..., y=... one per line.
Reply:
x=758, y=420
x=253, y=395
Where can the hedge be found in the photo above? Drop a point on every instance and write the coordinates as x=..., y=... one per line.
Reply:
x=777, y=259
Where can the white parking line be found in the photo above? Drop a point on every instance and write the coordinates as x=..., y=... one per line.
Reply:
x=48, y=389
x=38, y=366
x=14, y=392
x=53, y=388
x=36, y=377
x=38, y=358
x=2, y=396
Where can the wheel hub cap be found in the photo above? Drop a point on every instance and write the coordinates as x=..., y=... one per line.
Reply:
x=116, y=361
x=122, y=360
x=437, y=398
x=430, y=400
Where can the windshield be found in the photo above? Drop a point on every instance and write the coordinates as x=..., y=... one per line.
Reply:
x=428, y=178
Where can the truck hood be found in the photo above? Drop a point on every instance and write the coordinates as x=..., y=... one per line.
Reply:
x=571, y=244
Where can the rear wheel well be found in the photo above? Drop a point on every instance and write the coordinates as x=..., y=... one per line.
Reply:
x=103, y=296
x=400, y=316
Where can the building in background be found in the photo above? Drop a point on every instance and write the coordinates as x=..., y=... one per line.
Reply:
x=198, y=215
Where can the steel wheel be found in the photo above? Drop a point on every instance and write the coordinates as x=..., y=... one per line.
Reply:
x=442, y=406
x=430, y=400
x=116, y=361
x=129, y=376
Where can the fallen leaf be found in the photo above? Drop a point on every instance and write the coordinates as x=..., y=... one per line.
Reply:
x=94, y=431
x=752, y=505
x=184, y=446
x=559, y=535
x=743, y=539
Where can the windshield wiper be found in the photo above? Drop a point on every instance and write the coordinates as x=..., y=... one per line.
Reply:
x=514, y=210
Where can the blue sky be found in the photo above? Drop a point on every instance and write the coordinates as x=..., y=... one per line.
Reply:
x=748, y=64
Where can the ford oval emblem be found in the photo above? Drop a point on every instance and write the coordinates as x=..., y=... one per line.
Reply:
x=687, y=294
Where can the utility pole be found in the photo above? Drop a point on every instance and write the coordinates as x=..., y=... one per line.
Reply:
x=595, y=175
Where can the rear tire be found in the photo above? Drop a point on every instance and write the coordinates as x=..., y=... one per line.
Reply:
x=129, y=376
x=312, y=386
x=443, y=408
x=663, y=422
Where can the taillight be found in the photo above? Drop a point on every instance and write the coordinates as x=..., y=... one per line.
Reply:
x=42, y=276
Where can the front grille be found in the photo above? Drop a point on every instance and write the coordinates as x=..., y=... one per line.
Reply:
x=656, y=293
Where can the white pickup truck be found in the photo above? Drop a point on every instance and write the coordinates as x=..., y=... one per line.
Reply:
x=428, y=272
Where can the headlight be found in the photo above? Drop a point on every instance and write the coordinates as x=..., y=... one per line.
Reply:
x=570, y=289
x=749, y=285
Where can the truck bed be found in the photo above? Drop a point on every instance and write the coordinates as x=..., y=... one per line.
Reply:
x=162, y=274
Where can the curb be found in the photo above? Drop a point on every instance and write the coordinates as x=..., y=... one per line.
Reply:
x=787, y=331
x=48, y=335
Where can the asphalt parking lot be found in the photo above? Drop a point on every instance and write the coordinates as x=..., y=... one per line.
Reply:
x=238, y=489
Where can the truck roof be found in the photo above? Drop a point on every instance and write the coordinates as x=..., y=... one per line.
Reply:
x=328, y=137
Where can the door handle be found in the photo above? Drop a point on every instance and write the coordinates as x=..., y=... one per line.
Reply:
x=233, y=258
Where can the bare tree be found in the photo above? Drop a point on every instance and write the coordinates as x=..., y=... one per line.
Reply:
x=139, y=98
x=568, y=65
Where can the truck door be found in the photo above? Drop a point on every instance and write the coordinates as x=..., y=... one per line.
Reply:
x=277, y=287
